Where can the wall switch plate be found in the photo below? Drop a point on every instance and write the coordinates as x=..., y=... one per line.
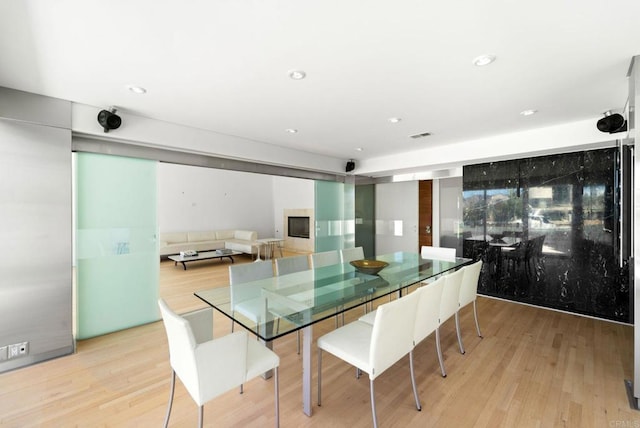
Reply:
x=3, y=353
x=18, y=350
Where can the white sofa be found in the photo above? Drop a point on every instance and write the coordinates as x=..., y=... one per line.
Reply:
x=238, y=240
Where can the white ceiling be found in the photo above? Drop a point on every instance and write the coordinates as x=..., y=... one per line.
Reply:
x=223, y=65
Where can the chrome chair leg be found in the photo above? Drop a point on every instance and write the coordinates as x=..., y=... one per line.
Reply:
x=319, y=377
x=276, y=386
x=475, y=315
x=458, y=333
x=200, y=408
x=439, y=349
x=373, y=405
x=413, y=382
x=173, y=388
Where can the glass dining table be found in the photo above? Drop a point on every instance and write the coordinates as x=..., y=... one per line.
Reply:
x=281, y=305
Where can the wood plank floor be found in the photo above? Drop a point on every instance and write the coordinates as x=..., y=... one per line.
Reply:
x=534, y=368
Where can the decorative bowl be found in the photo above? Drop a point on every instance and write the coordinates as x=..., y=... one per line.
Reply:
x=370, y=267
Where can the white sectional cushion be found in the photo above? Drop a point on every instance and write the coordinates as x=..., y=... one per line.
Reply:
x=224, y=234
x=240, y=245
x=173, y=237
x=174, y=242
x=247, y=235
x=201, y=236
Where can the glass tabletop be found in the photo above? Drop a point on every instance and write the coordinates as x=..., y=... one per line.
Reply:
x=279, y=305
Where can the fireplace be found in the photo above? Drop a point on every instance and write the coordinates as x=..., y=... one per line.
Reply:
x=298, y=227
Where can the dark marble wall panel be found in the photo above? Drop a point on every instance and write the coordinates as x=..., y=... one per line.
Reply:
x=547, y=230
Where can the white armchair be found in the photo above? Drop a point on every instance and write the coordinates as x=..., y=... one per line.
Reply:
x=209, y=367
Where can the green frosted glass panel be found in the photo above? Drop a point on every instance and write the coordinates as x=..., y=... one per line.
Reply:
x=334, y=215
x=348, y=213
x=116, y=246
x=365, y=206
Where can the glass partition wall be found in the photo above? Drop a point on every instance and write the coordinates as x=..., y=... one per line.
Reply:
x=548, y=231
x=117, y=250
x=334, y=215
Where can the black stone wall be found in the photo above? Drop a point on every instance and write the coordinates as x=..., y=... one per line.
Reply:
x=547, y=229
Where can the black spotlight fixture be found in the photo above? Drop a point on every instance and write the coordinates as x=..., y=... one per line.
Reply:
x=612, y=123
x=351, y=165
x=108, y=119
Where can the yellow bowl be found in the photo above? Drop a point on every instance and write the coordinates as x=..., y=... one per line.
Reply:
x=370, y=267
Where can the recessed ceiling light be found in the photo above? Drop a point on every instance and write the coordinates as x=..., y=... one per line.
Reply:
x=483, y=60
x=291, y=130
x=528, y=112
x=395, y=119
x=297, y=74
x=359, y=149
x=136, y=89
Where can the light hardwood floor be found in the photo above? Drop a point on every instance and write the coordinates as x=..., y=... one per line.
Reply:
x=534, y=368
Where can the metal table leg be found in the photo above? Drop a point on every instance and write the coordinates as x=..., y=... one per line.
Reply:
x=307, y=334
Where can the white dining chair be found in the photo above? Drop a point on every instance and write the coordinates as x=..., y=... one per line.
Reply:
x=209, y=367
x=437, y=253
x=448, y=307
x=324, y=258
x=293, y=264
x=289, y=265
x=428, y=314
x=246, y=299
x=374, y=348
x=349, y=254
x=469, y=294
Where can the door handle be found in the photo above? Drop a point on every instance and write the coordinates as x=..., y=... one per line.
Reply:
x=428, y=230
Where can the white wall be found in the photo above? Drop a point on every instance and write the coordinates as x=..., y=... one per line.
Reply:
x=396, y=217
x=197, y=198
x=563, y=138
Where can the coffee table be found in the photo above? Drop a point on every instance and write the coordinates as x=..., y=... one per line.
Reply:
x=204, y=255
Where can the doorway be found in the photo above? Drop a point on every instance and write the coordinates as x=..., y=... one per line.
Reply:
x=425, y=213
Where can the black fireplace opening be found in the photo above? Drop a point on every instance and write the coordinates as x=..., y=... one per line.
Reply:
x=298, y=227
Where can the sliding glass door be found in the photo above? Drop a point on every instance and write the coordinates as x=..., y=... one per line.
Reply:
x=116, y=246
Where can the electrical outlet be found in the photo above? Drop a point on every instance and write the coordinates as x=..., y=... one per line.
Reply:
x=17, y=350
x=3, y=353
x=23, y=349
